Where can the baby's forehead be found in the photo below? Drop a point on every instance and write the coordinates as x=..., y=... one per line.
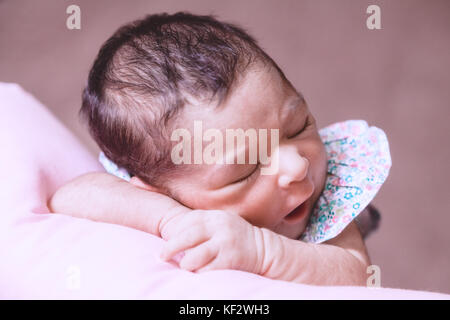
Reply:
x=256, y=98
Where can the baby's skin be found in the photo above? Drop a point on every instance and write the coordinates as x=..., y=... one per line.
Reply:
x=230, y=216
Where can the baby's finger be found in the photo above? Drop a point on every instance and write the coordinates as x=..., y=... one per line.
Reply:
x=183, y=241
x=218, y=263
x=208, y=267
x=173, y=226
x=199, y=256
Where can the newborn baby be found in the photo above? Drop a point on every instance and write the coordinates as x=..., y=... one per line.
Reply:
x=168, y=72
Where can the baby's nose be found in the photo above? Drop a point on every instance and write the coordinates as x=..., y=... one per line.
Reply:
x=293, y=167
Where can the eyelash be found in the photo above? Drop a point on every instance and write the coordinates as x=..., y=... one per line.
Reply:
x=303, y=129
x=247, y=178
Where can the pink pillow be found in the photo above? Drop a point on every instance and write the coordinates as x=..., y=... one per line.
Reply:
x=45, y=255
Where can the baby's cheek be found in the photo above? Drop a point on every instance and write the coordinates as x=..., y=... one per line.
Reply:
x=324, y=166
x=319, y=168
x=265, y=205
x=319, y=163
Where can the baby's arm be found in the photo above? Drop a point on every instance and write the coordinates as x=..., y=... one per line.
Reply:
x=106, y=198
x=339, y=261
x=222, y=240
x=103, y=197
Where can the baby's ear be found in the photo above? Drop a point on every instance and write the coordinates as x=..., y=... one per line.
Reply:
x=141, y=184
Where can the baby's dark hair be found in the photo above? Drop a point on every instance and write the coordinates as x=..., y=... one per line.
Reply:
x=143, y=75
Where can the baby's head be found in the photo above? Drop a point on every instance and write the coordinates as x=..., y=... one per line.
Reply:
x=164, y=72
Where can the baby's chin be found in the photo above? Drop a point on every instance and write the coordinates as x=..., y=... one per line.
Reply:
x=292, y=231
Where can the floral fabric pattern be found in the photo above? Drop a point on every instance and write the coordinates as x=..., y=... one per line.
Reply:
x=358, y=164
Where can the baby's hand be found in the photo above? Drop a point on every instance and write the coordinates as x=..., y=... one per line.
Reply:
x=213, y=239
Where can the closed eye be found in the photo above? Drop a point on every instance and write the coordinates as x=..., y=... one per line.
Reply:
x=307, y=123
x=247, y=177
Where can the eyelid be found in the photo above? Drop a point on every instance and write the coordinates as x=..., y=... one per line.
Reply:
x=243, y=179
x=302, y=129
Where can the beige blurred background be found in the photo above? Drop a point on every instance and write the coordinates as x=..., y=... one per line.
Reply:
x=396, y=78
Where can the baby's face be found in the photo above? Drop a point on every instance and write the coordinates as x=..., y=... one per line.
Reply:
x=261, y=101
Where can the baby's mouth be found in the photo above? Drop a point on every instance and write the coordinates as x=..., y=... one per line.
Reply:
x=299, y=213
